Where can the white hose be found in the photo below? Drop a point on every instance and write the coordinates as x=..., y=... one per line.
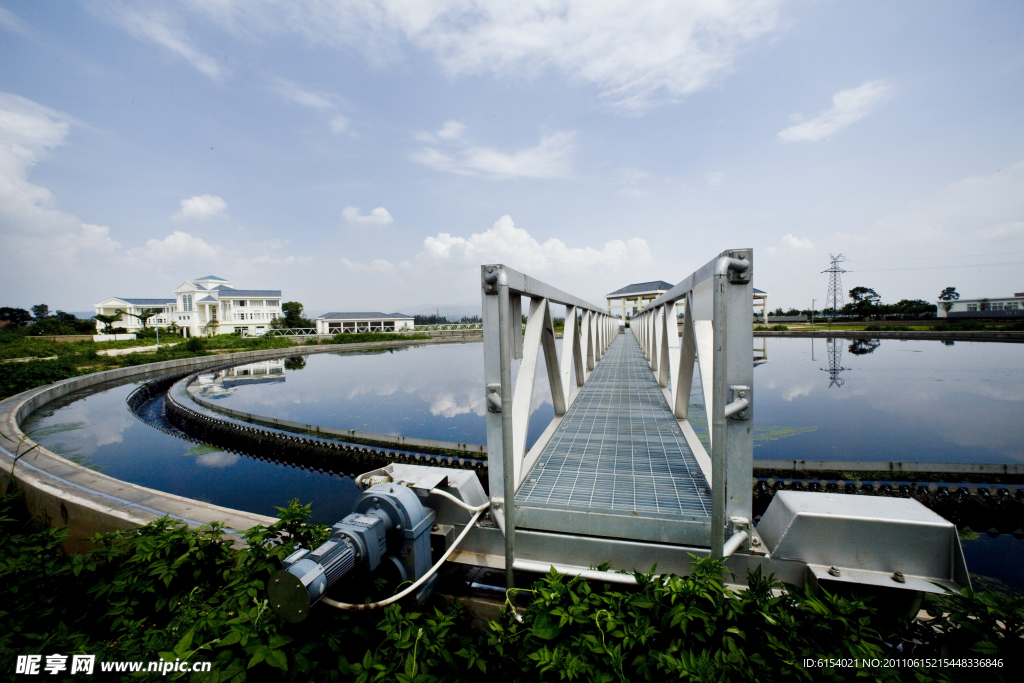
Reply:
x=419, y=582
x=464, y=506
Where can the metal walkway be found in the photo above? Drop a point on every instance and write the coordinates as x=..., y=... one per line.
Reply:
x=618, y=461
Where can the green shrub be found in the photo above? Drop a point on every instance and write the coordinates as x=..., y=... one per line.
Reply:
x=18, y=377
x=773, y=328
x=166, y=590
x=195, y=345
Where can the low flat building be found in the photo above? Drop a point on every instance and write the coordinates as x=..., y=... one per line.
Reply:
x=997, y=307
x=632, y=298
x=338, y=322
x=198, y=303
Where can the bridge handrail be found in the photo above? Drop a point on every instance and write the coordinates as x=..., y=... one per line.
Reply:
x=718, y=305
x=448, y=326
x=589, y=330
x=312, y=331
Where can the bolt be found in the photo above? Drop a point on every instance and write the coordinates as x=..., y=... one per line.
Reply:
x=755, y=542
x=435, y=528
x=277, y=580
x=898, y=577
x=834, y=571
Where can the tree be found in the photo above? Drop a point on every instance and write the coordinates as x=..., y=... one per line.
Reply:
x=293, y=315
x=40, y=311
x=916, y=308
x=145, y=314
x=108, y=320
x=211, y=327
x=861, y=347
x=17, y=317
x=984, y=305
x=948, y=296
x=864, y=299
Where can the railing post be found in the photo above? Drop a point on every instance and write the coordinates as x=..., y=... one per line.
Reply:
x=498, y=380
x=732, y=432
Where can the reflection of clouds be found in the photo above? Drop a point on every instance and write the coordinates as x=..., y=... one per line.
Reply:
x=448, y=381
x=448, y=405
x=795, y=391
x=103, y=425
x=219, y=459
x=965, y=398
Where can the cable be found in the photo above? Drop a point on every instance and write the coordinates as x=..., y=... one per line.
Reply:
x=419, y=582
x=932, y=258
x=972, y=265
x=445, y=494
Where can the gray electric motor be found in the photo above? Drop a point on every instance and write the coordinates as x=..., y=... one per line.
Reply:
x=389, y=524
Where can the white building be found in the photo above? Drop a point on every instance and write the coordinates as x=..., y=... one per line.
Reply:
x=337, y=322
x=196, y=304
x=1000, y=307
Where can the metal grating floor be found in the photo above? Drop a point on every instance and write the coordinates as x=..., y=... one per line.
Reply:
x=619, y=449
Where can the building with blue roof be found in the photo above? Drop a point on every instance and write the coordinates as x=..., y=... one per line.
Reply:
x=204, y=306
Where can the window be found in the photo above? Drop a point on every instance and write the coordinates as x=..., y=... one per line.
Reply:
x=270, y=303
x=240, y=302
x=186, y=302
x=1011, y=307
x=997, y=307
x=972, y=307
x=256, y=302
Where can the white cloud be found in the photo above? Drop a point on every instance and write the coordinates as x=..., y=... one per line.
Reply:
x=201, y=207
x=379, y=265
x=178, y=245
x=144, y=22
x=514, y=246
x=634, y=53
x=795, y=243
x=307, y=98
x=378, y=216
x=31, y=225
x=549, y=159
x=986, y=209
x=339, y=124
x=452, y=130
x=848, y=107
x=714, y=178
x=792, y=246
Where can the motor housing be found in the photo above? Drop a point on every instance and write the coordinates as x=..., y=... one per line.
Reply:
x=388, y=524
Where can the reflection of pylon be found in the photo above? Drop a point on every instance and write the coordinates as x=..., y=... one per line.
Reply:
x=835, y=363
x=834, y=296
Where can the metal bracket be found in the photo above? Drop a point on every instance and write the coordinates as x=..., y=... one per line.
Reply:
x=494, y=276
x=739, y=267
x=739, y=405
x=494, y=398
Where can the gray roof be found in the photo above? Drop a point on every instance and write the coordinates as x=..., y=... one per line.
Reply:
x=146, y=302
x=640, y=287
x=207, y=299
x=211, y=277
x=758, y=291
x=250, y=292
x=334, y=315
x=223, y=288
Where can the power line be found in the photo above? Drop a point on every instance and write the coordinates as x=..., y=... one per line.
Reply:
x=932, y=258
x=974, y=265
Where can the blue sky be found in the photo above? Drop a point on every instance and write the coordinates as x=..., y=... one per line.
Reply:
x=371, y=156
